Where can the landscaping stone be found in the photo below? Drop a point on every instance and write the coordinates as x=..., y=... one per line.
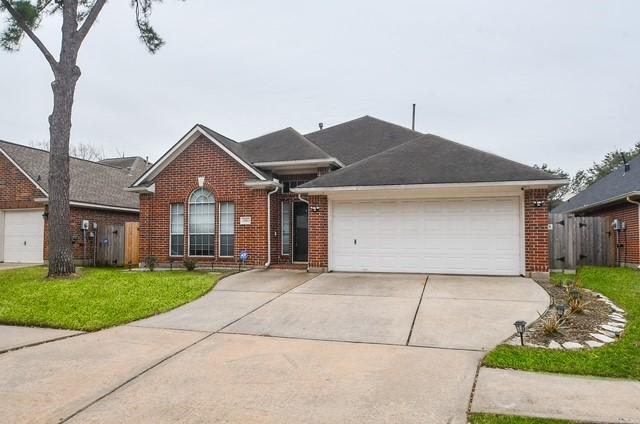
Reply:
x=606, y=333
x=593, y=344
x=618, y=319
x=617, y=309
x=616, y=324
x=602, y=338
x=611, y=328
x=572, y=345
x=554, y=345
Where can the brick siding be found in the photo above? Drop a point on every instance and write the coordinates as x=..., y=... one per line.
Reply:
x=16, y=191
x=536, y=231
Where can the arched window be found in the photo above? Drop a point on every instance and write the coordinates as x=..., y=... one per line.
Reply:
x=202, y=206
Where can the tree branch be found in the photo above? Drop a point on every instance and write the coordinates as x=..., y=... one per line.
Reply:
x=89, y=21
x=47, y=54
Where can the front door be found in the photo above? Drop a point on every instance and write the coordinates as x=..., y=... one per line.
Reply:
x=301, y=232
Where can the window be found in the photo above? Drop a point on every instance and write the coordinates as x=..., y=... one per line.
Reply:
x=286, y=228
x=177, y=230
x=227, y=230
x=202, y=218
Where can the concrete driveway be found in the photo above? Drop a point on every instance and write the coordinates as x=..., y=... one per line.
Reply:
x=338, y=348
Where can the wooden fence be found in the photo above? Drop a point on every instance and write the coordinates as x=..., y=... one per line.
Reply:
x=118, y=244
x=576, y=241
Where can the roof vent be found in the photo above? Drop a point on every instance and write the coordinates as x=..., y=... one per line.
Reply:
x=320, y=125
x=627, y=167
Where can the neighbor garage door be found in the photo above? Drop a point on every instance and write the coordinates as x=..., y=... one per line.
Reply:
x=452, y=236
x=23, y=236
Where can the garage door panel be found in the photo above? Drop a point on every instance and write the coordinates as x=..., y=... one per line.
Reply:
x=467, y=236
x=23, y=236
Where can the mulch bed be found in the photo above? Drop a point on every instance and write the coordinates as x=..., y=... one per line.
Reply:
x=575, y=327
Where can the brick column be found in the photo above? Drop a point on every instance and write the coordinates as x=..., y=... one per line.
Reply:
x=536, y=233
x=318, y=233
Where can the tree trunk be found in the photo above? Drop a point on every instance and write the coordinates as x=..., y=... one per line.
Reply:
x=60, y=238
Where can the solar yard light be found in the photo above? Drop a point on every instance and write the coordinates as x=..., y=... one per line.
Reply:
x=520, y=325
x=560, y=308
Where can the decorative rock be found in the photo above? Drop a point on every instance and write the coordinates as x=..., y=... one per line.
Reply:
x=607, y=333
x=554, y=345
x=619, y=320
x=617, y=309
x=602, y=338
x=593, y=344
x=572, y=345
x=614, y=330
x=616, y=324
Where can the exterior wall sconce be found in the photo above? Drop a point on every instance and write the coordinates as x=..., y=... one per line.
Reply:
x=315, y=208
x=45, y=215
x=520, y=326
x=538, y=203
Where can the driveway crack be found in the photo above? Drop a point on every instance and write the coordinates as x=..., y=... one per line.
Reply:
x=415, y=316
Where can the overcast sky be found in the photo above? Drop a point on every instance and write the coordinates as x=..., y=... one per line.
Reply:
x=535, y=81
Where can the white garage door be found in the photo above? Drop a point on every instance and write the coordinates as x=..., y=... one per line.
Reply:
x=23, y=236
x=449, y=236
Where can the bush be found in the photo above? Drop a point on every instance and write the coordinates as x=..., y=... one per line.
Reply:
x=151, y=262
x=190, y=264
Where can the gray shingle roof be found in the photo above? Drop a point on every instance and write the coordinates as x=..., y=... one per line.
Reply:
x=360, y=138
x=283, y=145
x=134, y=164
x=91, y=182
x=613, y=187
x=429, y=159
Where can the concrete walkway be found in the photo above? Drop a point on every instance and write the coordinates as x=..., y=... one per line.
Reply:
x=15, y=337
x=591, y=399
x=345, y=348
x=15, y=265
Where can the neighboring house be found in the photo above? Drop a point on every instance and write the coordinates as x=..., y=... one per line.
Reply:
x=365, y=195
x=615, y=196
x=96, y=194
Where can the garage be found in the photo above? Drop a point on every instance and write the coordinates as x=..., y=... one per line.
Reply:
x=448, y=236
x=23, y=236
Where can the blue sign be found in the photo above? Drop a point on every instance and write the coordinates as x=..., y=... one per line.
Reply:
x=244, y=256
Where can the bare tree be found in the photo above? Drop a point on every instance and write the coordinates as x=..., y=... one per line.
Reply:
x=85, y=151
x=78, y=17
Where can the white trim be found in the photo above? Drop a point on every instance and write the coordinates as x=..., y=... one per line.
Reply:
x=179, y=148
x=301, y=162
x=226, y=234
x=263, y=184
x=23, y=172
x=92, y=205
x=523, y=234
x=142, y=189
x=528, y=184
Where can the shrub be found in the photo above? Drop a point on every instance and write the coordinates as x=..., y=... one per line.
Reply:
x=190, y=264
x=551, y=324
x=577, y=305
x=151, y=262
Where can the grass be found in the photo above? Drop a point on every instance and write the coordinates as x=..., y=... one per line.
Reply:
x=98, y=298
x=504, y=419
x=620, y=359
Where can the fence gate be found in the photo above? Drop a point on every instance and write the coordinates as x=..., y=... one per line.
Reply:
x=576, y=241
x=132, y=243
x=110, y=248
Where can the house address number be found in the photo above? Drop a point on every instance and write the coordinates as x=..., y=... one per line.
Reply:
x=245, y=220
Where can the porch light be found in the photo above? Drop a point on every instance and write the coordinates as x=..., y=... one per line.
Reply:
x=520, y=326
x=538, y=203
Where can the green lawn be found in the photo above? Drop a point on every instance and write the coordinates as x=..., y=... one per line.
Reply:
x=98, y=298
x=503, y=419
x=620, y=359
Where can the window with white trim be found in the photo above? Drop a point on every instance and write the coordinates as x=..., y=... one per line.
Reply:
x=227, y=229
x=202, y=217
x=285, y=225
x=176, y=240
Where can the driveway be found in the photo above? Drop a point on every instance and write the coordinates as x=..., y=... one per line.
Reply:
x=280, y=346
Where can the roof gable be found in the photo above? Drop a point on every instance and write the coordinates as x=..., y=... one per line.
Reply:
x=283, y=145
x=430, y=159
x=90, y=182
x=360, y=138
x=617, y=185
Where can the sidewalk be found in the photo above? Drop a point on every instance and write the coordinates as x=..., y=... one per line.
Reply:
x=511, y=392
x=14, y=337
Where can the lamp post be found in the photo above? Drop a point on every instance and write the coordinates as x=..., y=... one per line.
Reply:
x=520, y=326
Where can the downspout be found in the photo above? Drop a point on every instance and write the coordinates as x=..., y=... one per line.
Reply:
x=635, y=202
x=268, y=264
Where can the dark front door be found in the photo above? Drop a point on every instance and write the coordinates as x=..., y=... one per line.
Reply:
x=300, y=232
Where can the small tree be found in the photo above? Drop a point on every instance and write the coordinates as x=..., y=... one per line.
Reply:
x=612, y=160
x=78, y=17
x=557, y=194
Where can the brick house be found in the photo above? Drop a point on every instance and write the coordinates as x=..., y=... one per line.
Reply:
x=616, y=197
x=97, y=195
x=365, y=195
